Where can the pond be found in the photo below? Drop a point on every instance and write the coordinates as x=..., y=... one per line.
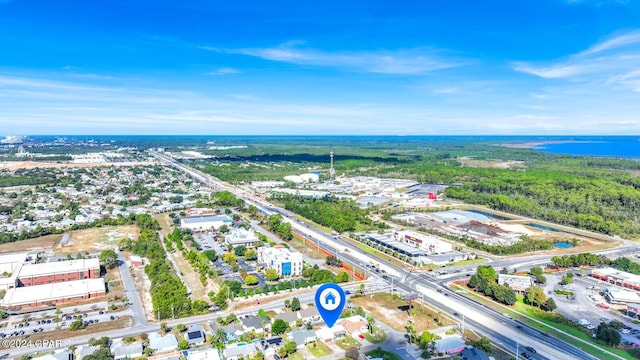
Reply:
x=563, y=245
x=489, y=215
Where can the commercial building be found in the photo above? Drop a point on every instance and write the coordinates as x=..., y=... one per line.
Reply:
x=516, y=282
x=242, y=237
x=621, y=297
x=59, y=271
x=285, y=261
x=617, y=277
x=10, y=265
x=50, y=294
x=431, y=243
x=206, y=222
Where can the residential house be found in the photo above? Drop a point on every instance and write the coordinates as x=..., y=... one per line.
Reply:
x=195, y=335
x=63, y=355
x=355, y=325
x=254, y=323
x=161, y=343
x=239, y=350
x=121, y=350
x=83, y=351
x=471, y=353
x=289, y=317
x=330, y=334
x=310, y=315
x=303, y=336
x=269, y=347
x=232, y=331
x=211, y=354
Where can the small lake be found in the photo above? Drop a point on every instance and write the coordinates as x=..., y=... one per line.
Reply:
x=489, y=215
x=562, y=244
x=542, y=227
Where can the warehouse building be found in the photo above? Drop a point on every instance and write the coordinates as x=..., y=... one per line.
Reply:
x=431, y=243
x=60, y=271
x=50, y=294
x=206, y=222
x=285, y=261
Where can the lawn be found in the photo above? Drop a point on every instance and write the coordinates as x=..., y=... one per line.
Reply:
x=377, y=337
x=348, y=342
x=386, y=355
x=319, y=349
x=295, y=356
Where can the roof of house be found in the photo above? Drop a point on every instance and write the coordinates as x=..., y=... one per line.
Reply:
x=195, y=334
x=352, y=325
x=159, y=342
x=253, y=322
x=300, y=336
x=288, y=317
x=311, y=311
x=474, y=354
x=239, y=349
x=121, y=350
x=211, y=354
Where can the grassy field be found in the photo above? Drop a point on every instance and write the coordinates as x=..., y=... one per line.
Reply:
x=39, y=243
x=377, y=337
x=395, y=311
x=295, y=356
x=348, y=342
x=319, y=349
x=386, y=355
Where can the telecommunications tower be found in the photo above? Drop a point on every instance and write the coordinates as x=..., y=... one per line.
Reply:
x=332, y=171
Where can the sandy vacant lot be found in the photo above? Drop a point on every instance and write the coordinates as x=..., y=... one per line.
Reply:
x=498, y=164
x=95, y=239
x=37, y=244
x=17, y=165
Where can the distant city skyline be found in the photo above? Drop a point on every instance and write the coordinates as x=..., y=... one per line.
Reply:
x=548, y=67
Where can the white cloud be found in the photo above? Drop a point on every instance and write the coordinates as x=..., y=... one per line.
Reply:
x=224, y=71
x=613, y=61
x=401, y=62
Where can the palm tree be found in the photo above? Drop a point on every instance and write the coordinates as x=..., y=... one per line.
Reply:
x=371, y=321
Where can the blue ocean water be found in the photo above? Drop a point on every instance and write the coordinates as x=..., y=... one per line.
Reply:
x=605, y=146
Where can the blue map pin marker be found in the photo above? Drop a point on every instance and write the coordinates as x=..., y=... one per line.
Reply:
x=330, y=300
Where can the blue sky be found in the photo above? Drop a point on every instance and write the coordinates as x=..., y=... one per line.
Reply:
x=401, y=67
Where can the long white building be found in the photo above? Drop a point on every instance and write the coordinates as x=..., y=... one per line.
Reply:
x=206, y=222
x=430, y=243
x=285, y=261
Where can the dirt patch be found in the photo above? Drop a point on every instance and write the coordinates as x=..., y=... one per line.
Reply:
x=395, y=312
x=143, y=286
x=494, y=164
x=121, y=323
x=95, y=239
x=17, y=165
x=37, y=244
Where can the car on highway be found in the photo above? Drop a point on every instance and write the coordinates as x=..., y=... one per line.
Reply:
x=530, y=349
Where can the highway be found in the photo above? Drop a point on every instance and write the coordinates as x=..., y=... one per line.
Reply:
x=477, y=317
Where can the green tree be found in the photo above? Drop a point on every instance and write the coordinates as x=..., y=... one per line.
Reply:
x=271, y=274
x=279, y=327
x=77, y=324
x=181, y=327
x=550, y=305
x=183, y=344
x=483, y=344
x=164, y=328
x=295, y=304
x=251, y=254
x=608, y=334
x=109, y=258
x=535, y=296
x=251, y=280
x=240, y=250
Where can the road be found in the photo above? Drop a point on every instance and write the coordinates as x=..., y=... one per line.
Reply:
x=138, y=317
x=478, y=317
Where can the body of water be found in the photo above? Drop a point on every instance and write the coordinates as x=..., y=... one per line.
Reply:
x=562, y=244
x=489, y=215
x=623, y=146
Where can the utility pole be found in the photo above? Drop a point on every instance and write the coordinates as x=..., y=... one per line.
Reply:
x=517, y=350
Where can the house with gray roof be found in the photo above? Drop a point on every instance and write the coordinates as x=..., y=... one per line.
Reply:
x=232, y=331
x=254, y=323
x=472, y=353
x=310, y=315
x=303, y=336
x=238, y=350
x=195, y=335
x=160, y=343
x=121, y=350
x=289, y=317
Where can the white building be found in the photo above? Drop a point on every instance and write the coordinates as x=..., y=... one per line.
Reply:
x=41, y=295
x=285, y=261
x=516, y=282
x=241, y=236
x=203, y=223
x=431, y=243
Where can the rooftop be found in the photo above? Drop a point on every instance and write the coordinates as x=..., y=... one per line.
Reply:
x=50, y=292
x=58, y=267
x=205, y=218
